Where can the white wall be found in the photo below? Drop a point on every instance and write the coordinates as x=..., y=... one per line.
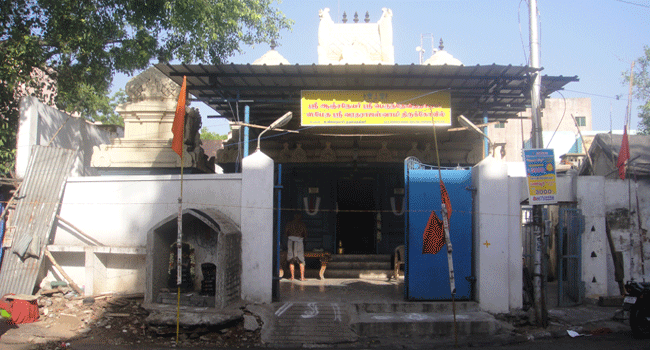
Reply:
x=39, y=124
x=118, y=211
x=516, y=186
x=621, y=197
x=591, y=200
x=257, y=234
x=492, y=247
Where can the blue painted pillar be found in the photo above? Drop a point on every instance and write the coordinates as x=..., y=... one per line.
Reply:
x=247, y=121
x=486, y=144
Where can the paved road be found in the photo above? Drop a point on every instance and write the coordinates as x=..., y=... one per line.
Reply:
x=617, y=340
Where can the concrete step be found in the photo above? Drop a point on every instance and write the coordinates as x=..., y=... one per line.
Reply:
x=359, y=265
x=424, y=324
x=298, y=323
x=417, y=307
x=358, y=273
x=361, y=257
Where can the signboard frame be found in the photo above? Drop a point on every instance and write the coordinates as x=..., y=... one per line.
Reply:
x=375, y=108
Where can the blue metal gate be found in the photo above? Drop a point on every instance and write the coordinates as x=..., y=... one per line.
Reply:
x=427, y=275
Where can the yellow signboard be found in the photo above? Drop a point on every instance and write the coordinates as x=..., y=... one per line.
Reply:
x=375, y=107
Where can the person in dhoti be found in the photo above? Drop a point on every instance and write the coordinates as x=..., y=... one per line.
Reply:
x=296, y=231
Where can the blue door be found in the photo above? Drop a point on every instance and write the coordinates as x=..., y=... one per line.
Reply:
x=427, y=275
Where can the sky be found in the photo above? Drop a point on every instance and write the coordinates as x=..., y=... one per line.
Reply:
x=596, y=41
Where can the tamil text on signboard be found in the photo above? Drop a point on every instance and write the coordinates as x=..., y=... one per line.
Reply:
x=369, y=107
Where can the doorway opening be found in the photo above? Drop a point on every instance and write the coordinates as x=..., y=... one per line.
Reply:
x=356, y=218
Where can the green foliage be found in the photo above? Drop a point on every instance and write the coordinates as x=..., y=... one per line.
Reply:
x=641, y=89
x=209, y=135
x=81, y=44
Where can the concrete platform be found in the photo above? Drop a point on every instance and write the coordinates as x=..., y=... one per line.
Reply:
x=334, y=311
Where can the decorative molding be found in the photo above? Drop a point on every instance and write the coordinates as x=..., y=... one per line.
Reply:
x=151, y=84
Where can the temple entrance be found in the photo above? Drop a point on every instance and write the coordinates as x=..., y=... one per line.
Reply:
x=356, y=218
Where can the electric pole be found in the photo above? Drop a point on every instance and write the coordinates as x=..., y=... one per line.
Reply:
x=537, y=143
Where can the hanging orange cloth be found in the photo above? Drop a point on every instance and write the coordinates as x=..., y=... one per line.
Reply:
x=179, y=120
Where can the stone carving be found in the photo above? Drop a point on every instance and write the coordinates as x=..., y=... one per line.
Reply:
x=299, y=155
x=414, y=152
x=428, y=155
x=285, y=154
x=384, y=155
x=151, y=84
x=327, y=154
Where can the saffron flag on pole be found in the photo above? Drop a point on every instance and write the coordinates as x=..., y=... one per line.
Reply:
x=623, y=155
x=179, y=120
x=434, y=233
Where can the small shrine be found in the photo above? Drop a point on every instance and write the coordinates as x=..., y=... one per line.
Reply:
x=148, y=117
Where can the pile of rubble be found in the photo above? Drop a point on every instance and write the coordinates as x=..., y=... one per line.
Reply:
x=66, y=317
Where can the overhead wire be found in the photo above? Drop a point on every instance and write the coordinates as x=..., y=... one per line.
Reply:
x=560, y=122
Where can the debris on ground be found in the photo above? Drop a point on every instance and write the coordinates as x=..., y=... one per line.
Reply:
x=120, y=320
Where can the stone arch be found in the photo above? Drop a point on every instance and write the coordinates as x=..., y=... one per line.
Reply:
x=215, y=238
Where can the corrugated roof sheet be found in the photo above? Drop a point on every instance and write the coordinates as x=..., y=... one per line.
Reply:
x=36, y=205
x=502, y=91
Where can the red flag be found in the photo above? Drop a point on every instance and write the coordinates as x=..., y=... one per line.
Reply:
x=623, y=155
x=179, y=120
x=444, y=196
x=434, y=235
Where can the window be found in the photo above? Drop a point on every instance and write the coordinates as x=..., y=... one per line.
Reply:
x=581, y=121
x=500, y=125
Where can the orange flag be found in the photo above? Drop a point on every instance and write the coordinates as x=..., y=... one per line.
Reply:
x=434, y=235
x=179, y=120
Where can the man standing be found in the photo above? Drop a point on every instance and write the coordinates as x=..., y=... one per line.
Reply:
x=296, y=232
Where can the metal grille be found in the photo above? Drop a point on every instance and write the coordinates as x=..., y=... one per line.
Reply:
x=529, y=244
x=570, y=286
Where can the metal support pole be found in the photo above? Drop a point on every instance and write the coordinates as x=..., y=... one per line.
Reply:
x=247, y=110
x=486, y=143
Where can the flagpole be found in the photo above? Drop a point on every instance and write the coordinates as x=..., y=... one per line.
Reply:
x=445, y=220
x=179, y=248
x=178, y=129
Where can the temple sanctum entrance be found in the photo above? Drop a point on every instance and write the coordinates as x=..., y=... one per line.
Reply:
x=356, y=218
x=347, y=209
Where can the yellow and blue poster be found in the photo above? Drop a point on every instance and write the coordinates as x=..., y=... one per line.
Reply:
x=540, y=171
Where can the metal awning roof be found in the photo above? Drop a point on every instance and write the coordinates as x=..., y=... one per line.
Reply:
x=270, y=91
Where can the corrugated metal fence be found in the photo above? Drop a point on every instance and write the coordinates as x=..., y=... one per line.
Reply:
x=37, y=203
